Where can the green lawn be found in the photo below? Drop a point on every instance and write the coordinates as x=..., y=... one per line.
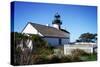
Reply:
x=91, y=57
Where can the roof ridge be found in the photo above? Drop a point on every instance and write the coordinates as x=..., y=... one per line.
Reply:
x=50, y=27
x=42, y=25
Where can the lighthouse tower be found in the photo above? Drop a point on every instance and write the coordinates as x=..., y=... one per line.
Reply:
x=57, y=22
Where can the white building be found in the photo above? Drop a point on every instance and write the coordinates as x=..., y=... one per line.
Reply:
x=53, y=35
x=87, y=47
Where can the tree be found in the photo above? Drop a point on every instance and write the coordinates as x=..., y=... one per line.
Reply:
x=87, y=37
x=41, y=49
x=95, y=37
x=18, y=53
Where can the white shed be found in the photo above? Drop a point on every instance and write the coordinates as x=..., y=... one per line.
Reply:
x=89, y=48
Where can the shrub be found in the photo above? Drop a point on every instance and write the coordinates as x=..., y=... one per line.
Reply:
x=66, y=59
x=38, y=60
x=17, y=55
x=79, y=52
x=75, y=58
x=76, y=54
x=55, y=59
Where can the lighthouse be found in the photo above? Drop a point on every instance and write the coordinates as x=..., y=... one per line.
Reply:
x=57, y=22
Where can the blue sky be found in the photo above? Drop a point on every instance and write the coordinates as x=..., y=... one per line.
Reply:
x=75, y=18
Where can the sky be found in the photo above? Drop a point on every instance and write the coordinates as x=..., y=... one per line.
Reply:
x=77, y=19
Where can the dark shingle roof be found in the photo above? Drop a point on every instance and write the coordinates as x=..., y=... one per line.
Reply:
x=65, y=30
x=48, y=30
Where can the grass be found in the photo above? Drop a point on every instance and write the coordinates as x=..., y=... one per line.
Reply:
x=90, y=57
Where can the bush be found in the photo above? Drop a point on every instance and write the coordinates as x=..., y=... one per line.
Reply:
x=17, y=55
x=79, y=52
x=75, y=58
x=56, y=59
x=39, y=60
x=66, y=59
